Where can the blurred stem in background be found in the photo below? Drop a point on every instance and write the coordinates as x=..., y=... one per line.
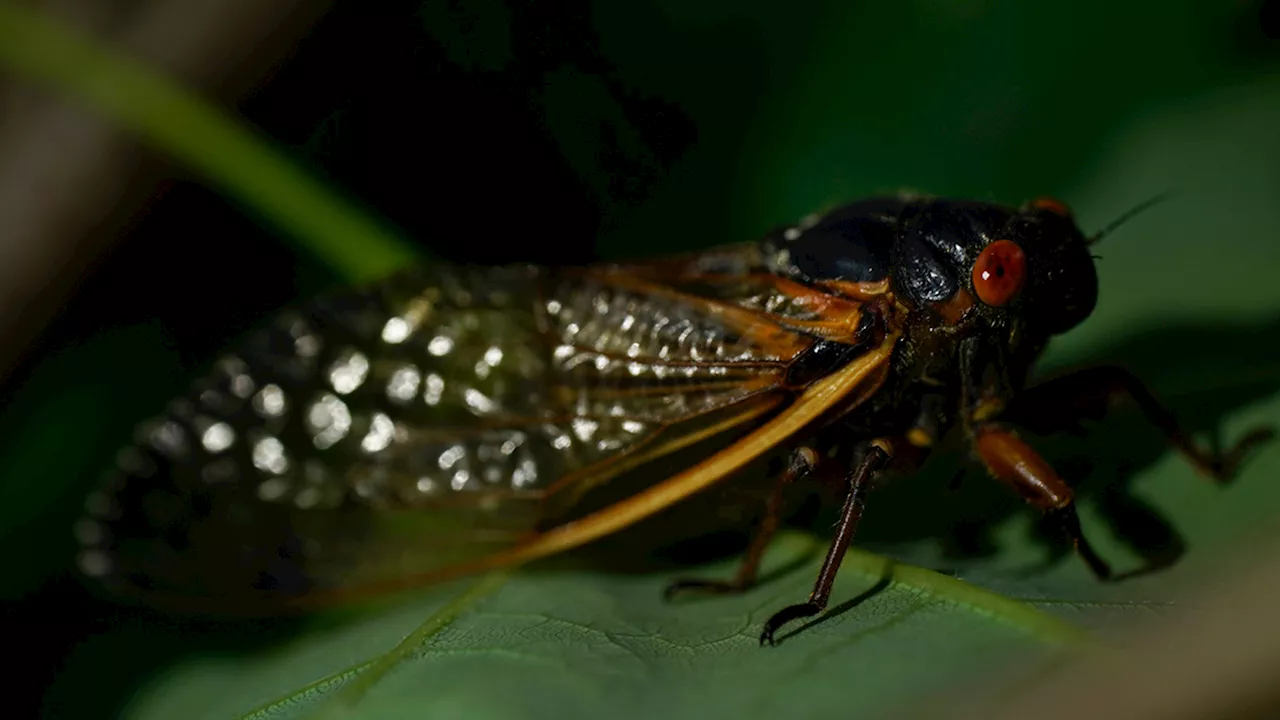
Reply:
x=71, y=175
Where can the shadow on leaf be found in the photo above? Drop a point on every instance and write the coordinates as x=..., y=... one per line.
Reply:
x=881, y=585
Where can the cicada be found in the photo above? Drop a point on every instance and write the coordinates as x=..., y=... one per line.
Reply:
x=452, y=418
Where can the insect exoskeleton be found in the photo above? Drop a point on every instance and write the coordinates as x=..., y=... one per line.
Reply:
x=456, y=418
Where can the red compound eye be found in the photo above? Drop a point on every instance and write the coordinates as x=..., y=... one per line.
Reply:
x=999, y=272
x=1053, y=205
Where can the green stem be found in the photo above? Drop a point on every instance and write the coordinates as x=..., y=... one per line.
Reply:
x=1036, y=623
x=228, y=153
x=349, y=685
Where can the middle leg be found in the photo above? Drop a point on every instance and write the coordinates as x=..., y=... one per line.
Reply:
x=800, y=465
x=877, y=455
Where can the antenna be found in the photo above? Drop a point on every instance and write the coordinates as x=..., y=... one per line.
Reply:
x=1129, y=215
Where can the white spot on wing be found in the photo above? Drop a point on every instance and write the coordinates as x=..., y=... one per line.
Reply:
x=308, y=497
x=330, y=420
x=307, y=345
x=478, y=401
x=348, y=372
x=512, y=443
x=404, y=383
x=440, y=345
x=381, y=432
x=434, y=390
x=269, y=456
x=450, y=456
x=585, y=428
x=525, y=474
x=270, y=401
x=241, y=386
x=94, y=563
x=395, y=331
x=218, y=437
x=169, y=438
x=273, y=489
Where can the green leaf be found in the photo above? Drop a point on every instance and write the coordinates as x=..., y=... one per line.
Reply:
x=577, y=648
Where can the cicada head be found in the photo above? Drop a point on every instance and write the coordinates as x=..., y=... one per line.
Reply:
x=980, y=263
x=988, y=286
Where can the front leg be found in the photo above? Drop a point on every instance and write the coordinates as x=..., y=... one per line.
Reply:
x=1060, y=404
x=1012, y=461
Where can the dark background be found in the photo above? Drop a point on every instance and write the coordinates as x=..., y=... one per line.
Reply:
x=562, y=134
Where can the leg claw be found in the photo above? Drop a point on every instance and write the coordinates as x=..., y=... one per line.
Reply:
x=784, y=616
x=1223, y=467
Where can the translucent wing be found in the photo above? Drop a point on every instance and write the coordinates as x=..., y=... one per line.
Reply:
x=436, y=417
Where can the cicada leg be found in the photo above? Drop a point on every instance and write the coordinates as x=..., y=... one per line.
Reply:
x=1015, y=463
x=877, y=455
x=1060, y=403
x=800, y=465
